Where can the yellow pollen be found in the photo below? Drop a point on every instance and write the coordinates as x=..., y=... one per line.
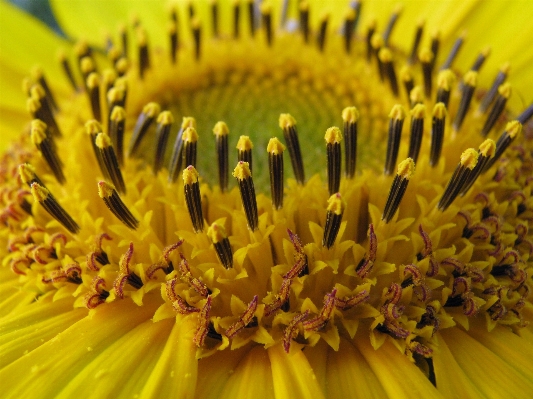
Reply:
x=445, y=79
x=26, y=172
x=122, y=65
x=425, y=55
x=416, y=95
x=505, y=68
x=244, y=144
x=165, y=118
x=216, y=232
x=385, y=55
x=109, y=76
x=470, y=78
x=115, y=95
x=333, y=135
x=38, y=124
x=397, y=112
x=105, y=190
x=275, y=146
x=242, y=171
x=190, y=175
x=406, y=168
x=118, y=114
x=487, y=148
x=336, y=204
x=92, y=80
x=439, y=111
x=37, y=91
x=93, y=127
x=188, y=121
x=39, y=192
x=486, y=51
x=103, y=140
x=513, y=128
x=121, y=83
x=469, y=158
x=190, y=135
x=406, y=73
x=87, y=65
x=418, y=111
x=286, y=121
x=38, y=134
x=221, y=129
x=151, y=109
x=505, y=90
x=26, y=85
x=81, y=48
x=33, y=105
x=350, y=114
x=376, y=41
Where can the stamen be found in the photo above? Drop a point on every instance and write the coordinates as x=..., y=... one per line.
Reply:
x=318, y=322
x=164, y=262
x=115, y=98
x=288, y=124
x=38, y=76
x=416, y=96
x=246, y=188
x=304, y=20
x=493, y=91
x=504, y=92
x=28, y=175
x=266, y=14
x=480, y=60
x=46, y=147
x=110, y=162
x=281, y=300
x=164, y=124
x=406, y=169
x=367, y=263
x=333, y=139
x=453, y=52
x=244, y=320
x=460, y=176
x=470, y=82
x=121, y=66
x=190, y=144
x=512, y=129
x=275, y=165
x=93, y=128
x=40, y=108
x=437, y=132
x=418, y=114
x=108, y=79
x=390, y=26
x=176, y=161
x=121, y=84
x=348, y=29
x=218, y=236
x=292, y=330
x=214, y=17
x=195, y=283
x=144, y=55
x=98, y=254
x=221, y=132
x=93, y=87
x=112, y=200
x=50, y=204
x=87, y=66
x=67, y=69
x=322, y=32
x=526, y=115
x=445, y=82
x=426, y=59
x=350, y=115
x=371, y=30
x=385, y=56
x=435, y=45
x=193, y=199
x=203, y=324
x=173, y=39
x=334, y=213
x=126, y=275
x=244, y=150
x=117, y=121
x=145, y=119
x=397, y=116
x=378, y=44
x=197, y=36
x=487, y=149
x=97, y=295
x=406, y=75
x=301, y=266
x=236, y=18
x=416, y=42
x=251, y=17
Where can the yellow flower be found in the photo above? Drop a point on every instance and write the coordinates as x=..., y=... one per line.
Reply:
x=132, y=266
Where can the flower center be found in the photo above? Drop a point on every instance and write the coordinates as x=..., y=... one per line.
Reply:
x=142, y=209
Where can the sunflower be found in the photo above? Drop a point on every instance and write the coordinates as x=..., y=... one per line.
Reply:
x=266, y=199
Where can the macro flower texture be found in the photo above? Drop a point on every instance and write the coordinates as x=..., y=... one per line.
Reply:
x=267, y=199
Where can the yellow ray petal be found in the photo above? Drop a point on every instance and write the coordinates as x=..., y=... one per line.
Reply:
x=386, y=362
x=292, y=374
x=343, y=366
x=68, y=352
x=251, y=379
x=489, y=372
x=176, y=370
